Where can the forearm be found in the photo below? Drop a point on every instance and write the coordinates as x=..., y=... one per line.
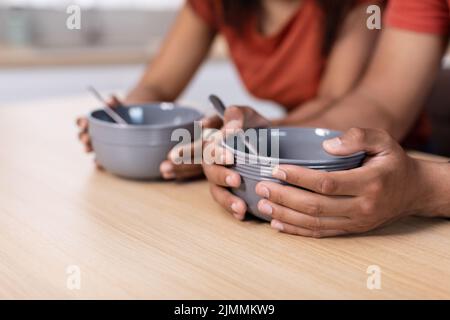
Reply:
x=360, y=110
x=147, y=92
x=305, y=112
x=324, y=112
x=173, y=66
x=433, y=189
x=391, y=94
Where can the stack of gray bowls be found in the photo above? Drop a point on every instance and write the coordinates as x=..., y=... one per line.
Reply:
x=137, y=149
x=293, y=146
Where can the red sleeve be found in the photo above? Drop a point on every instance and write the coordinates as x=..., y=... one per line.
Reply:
x=426, y=16
x=205, y=10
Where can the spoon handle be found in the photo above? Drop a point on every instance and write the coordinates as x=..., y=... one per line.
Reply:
x=218, y=105
x=220, y=108
x=109, y=111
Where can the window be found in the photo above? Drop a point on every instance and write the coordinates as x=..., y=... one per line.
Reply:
x=106, y=4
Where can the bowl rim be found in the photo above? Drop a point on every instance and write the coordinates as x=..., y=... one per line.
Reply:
x=198, y=115
x=319, y=167
x=259, y=159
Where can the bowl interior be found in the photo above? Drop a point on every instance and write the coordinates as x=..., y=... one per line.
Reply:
x=153, y=115
x=288, y=144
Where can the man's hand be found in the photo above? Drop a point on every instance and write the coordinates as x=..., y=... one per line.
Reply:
x=347, y=202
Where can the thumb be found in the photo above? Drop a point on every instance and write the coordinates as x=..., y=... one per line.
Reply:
x=234, y=118
x=212, y=122
x=114, y=102
x=371, y=141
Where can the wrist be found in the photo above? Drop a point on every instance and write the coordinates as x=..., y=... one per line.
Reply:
x=433, y=186
x=143, y=93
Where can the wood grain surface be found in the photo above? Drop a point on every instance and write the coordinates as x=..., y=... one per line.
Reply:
x=158, y=240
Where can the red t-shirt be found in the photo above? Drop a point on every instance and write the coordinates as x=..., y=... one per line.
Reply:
x=285, y=67
x=425, y=16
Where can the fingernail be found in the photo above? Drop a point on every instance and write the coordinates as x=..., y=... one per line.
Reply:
x=229, y=181
x=235, y=207
x=175, y=156
x=263, y=191
x=278, y=173
x=277, y=225
x=265, y=208
x=334, y=143
x=167, y=167
x=169, y=175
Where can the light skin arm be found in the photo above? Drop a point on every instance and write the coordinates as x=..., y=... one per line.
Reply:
x=392, y=93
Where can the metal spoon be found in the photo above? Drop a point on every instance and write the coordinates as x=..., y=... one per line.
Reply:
x=220, y=108
x=110, y=111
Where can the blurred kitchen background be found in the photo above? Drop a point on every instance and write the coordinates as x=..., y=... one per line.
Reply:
x=40, y=58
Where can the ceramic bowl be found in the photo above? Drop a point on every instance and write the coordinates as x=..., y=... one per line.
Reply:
x=294, y=146
x=136, y=150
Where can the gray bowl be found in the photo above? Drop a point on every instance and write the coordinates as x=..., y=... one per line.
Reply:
x=262, y=172
x=136, y=150
x=297, y=146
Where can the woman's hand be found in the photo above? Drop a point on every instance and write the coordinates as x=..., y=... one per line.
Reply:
x=174, y=169
x=383, y=190
x=169, y=169
x=83, y=127
x=241, y=118
x=235, y=118
x=219, y=176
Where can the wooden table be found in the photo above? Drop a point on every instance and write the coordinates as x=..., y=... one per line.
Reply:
x=170, y=240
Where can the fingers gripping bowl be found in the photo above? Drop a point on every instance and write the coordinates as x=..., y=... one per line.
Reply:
x=294, y=146
x=136, y=150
